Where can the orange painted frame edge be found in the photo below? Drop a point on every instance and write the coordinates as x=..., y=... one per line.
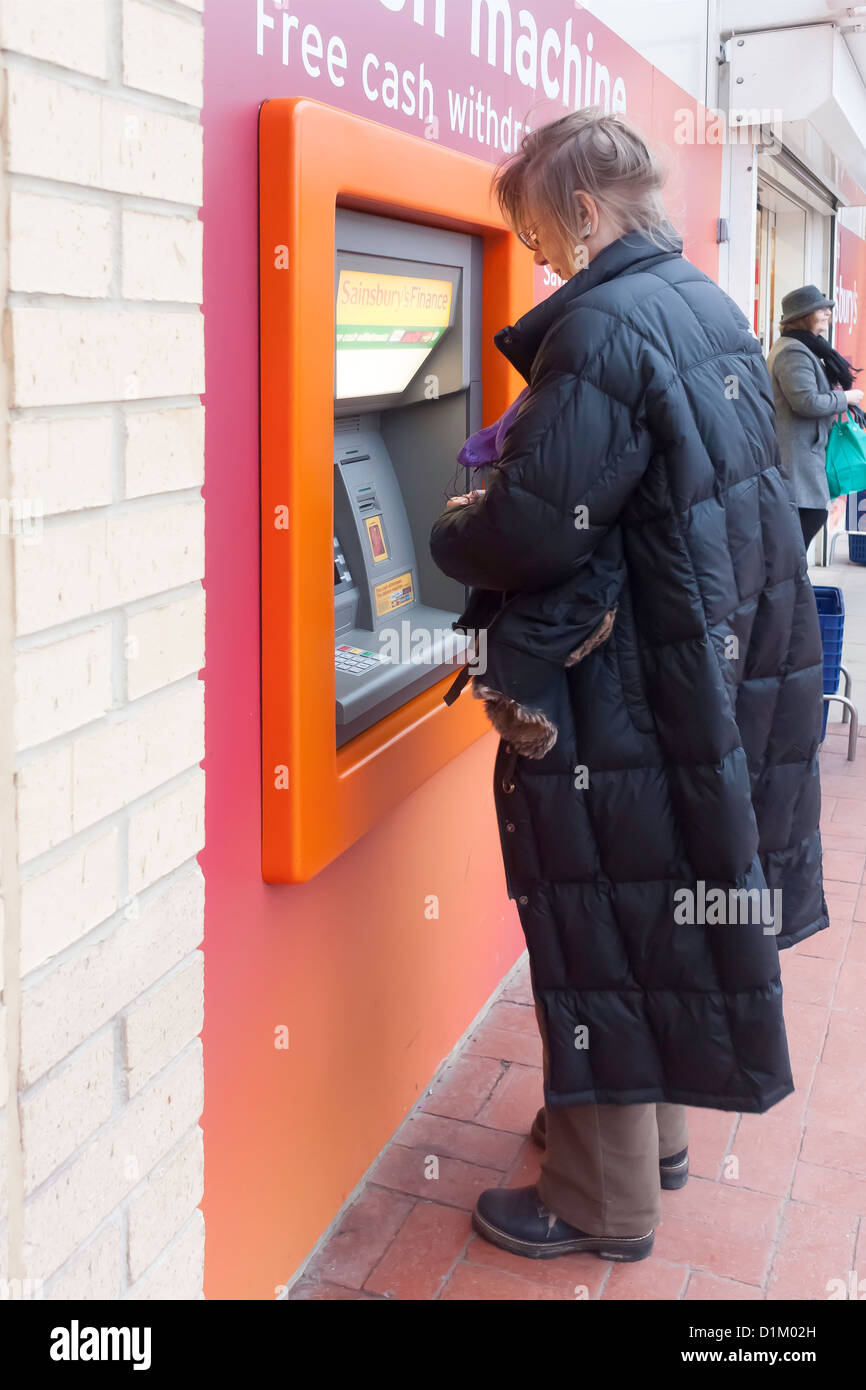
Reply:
x=312, y=157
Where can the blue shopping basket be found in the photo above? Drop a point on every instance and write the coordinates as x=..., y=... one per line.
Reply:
x=831, y=616
x=855, y=525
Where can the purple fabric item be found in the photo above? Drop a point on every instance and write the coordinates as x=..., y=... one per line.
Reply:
x=485, y=446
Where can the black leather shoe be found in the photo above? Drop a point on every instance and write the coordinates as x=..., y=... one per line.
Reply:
x=516, y=1219
x=539, y=1129
x=673, y=1171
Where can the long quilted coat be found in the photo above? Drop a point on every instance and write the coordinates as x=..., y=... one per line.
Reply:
x=653, y=666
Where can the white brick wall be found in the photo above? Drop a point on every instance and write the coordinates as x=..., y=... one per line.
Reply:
x=162, y=257
x=69, y=356
x=57, y=131
x=163, y=1023
x=62, y=685
x=73, y=34
x=59, y=246
x=4, y=1096
x=164, y=1204
x=65, y=902
x=59, y=1113
x=65, y=462
x=175, y=1274
x=130, y=555
x=165, y=833
x=164, y=644
x=62, y=1214
x=89, y=777
x=101, y=642
x=164, y=450
x=68, y=1003
x=162, y=52
x=96, y=1273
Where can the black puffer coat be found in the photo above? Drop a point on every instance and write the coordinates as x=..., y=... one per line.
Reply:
x=653, y=664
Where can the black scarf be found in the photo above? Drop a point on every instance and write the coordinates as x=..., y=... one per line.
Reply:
x=838, y=369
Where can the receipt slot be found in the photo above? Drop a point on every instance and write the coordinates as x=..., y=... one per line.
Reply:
x=385, y=271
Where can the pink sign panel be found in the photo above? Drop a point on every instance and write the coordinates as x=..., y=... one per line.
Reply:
x=849, y=337
x=849, y=315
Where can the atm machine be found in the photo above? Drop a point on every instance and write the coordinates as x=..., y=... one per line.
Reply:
x=385, y=270
x=406, y=394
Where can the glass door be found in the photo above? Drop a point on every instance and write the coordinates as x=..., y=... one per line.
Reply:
x=780, y=261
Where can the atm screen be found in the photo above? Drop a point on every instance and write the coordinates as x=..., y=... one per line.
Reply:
x=387, y=326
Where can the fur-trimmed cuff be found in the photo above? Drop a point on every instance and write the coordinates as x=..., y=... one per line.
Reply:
x=595, y=639
x=527, y=728
x=529, y=731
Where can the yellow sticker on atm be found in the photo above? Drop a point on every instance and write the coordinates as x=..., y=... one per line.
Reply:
x=393, y=593
x=376, y=536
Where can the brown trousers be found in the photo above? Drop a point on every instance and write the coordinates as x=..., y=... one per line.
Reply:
x=600, y=1169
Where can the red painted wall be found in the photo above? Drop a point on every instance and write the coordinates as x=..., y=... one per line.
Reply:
x=849, y=315
x=373, y=993
x=849, y=338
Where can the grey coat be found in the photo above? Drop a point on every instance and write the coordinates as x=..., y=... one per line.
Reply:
x=806, y=407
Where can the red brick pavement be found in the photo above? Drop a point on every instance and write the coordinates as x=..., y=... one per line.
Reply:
x=776, y=1204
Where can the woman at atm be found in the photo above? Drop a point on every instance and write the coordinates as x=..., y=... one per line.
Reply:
x=653, y=668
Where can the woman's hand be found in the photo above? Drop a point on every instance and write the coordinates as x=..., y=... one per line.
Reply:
x=465, y=498
x=853, y=397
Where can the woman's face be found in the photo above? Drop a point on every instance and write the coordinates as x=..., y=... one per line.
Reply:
x=820, y=320
x=547, y=247
x=566, y=260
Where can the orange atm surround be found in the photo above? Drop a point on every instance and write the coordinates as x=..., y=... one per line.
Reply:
x=318, y=799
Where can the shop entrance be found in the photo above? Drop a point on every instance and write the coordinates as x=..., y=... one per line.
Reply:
x=793, y=245
x=795, y=223
x=780, y=263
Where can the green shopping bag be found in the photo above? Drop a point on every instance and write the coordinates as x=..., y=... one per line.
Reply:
x=846, y=455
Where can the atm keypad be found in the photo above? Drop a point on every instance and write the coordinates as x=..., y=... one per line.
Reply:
x=355, y=660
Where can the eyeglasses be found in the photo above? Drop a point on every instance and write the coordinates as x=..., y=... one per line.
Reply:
x=529, y=239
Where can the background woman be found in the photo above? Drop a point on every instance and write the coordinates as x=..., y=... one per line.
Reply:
x=653, y=667
x=812, y=383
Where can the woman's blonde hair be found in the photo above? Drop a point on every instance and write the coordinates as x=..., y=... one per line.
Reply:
x=587, y=150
